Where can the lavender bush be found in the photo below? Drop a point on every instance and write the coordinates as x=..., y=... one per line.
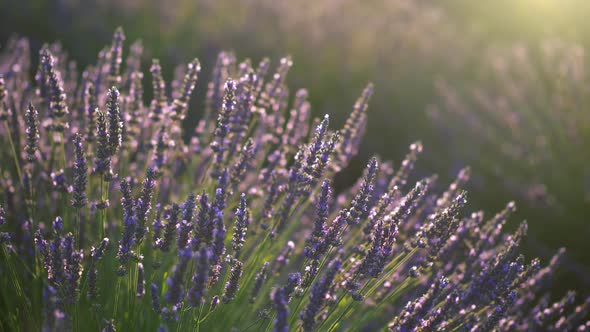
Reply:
x=114, y=217
x=527, y=108
x=528, y=126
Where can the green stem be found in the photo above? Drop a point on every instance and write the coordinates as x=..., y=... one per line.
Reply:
x=117, y=292
x=14, y=155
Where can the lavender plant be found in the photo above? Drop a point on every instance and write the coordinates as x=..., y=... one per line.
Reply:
x=528, y=111
x=527, y=125
x=235, y=225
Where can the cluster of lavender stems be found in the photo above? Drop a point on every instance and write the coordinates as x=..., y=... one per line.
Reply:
x=235, y=225
x=526, y=138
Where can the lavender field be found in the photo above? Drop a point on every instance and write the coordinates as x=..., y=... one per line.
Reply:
x=262, y=166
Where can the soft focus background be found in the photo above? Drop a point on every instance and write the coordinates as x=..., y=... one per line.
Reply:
x=502, y=86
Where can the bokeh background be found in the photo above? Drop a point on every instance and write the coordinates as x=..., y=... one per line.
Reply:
x=502, y=86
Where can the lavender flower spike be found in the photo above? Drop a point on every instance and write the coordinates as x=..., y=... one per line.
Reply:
x=180, y=104
x=4, y=110
x=4, y=237
x=96, y=254
x=115, y=55
x=2, y=216
x=354, y=128
x=241, y=226
x=32, y=131
x=186, y=224
x=129, y=224
x=259, y=280
x=57, y=96
x=155, y=292
x=280, y=302
x=319, y=230
x=359, y=207
x=102, y=160
x=144, y=204
x=171, y=216
x=198, y=290
x=176, y=280
x=80, y=178
x=160, y=101
x=219, y=143
x=317, y=297
x=115, y=121
x=90, y=108
x=231, y=287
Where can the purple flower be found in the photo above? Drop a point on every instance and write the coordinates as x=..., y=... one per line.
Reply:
x=62, y=262
x=232, y=286
x=132, y=63
x=155, y=292
x=298, y=185
x=90, y=108
x=171, y=216
x=217, y=218
x=317, y=296
x=319, y=231
x=186, y=224
x=4, y=236
x=114, y=121
x=110, y=326
x=401, y=176
x=115, y=56
x=283, y=259
x=4, y=110
x=2, y=216
x=359, y=207
x=196, y=294
x=293, y=280
x=96, y=254
x=280, y=302
x=159, y=101
x=259, y=280
x=315, y=147
x=498, y=313
x=324, y=157
x=214, y=98
x=176, y=280
x=219, y=143
x=188, y=208
x=243, y=165
x=32, y=131
x=271, y=196
x=240, y=226
x=218, y=237
x=80, y=178
x=134, y=103
x=180, y=104
x=144, y=204
x=417, y=310
x=157, y=224
x=102, y=160
x=297, y=127
x=57, y=97
x=58, y=181
x=354, y=129
x=129, y=224
x=160, y=147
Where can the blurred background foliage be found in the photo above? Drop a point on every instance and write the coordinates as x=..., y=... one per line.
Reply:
x=499, y=85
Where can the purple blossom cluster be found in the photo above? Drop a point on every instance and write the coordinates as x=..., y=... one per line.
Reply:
x=235, y=224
